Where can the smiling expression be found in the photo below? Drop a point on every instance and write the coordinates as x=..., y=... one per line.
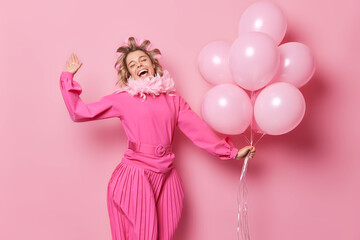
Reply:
x=139, y=64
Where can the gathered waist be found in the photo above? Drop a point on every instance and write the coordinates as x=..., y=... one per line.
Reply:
x=158, y=150
x=157, y=158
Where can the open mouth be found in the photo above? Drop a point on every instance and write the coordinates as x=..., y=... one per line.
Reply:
x=143, y=72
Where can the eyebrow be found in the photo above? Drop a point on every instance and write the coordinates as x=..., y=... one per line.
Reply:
x=138, y=57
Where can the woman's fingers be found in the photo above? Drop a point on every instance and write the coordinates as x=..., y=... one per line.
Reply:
x=74, y=60
x=252, y=151
x=70, y=60
x=73, y=64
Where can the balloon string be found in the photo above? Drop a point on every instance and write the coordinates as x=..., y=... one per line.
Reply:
x=246, y=139
x=242, y=227
x=251, y=122
x=259, y=139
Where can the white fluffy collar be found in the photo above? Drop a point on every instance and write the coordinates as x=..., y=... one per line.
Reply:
x=149, y=85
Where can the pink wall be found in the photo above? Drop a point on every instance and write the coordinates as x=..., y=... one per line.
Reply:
x=54, y=172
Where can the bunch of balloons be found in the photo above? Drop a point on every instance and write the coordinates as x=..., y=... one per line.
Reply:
x=255, y=80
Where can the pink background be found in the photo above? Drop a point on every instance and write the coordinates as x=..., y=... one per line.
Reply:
x=54, y=172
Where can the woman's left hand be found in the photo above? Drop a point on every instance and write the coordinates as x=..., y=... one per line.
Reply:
x=243, y=152
x=73, y=64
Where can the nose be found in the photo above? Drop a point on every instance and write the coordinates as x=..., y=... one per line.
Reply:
x=138, y=65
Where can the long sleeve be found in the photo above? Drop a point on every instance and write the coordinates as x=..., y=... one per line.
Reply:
x=200, y=133
x=78, y=110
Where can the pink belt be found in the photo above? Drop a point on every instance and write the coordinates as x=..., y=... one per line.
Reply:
x=159, y=150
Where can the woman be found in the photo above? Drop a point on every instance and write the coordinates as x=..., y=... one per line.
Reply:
x=145, y=193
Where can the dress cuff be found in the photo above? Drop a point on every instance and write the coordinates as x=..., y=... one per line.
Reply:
x=67, y=74
x=233, y=149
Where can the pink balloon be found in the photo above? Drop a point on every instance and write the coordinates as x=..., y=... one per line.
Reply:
x=265, y=17
x=227, y=109
x=279, y=108
x=254, y=60
x=213, y=62
x=297, y=64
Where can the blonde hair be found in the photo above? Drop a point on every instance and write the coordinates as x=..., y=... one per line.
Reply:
x=132, y=45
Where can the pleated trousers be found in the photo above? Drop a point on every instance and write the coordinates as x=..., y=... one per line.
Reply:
x=143, y=204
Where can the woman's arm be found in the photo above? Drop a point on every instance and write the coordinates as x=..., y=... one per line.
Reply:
x=78, y=110
x=201, y=134
x=71, y=90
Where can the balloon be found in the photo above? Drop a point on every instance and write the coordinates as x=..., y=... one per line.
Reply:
x=296, y=64
x=213, y=62
x=227, y=109
x=279, y=108
x=254, y=60
x=265, y=17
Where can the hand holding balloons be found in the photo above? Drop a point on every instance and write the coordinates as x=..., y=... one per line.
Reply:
x=255, y=63
x=243, y=152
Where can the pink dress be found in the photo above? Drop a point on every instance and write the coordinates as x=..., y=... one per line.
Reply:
x=145, y=192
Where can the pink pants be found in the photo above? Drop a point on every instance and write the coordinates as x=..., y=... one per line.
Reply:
x=142, y=204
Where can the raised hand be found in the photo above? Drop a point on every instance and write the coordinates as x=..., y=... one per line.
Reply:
x=73, y=64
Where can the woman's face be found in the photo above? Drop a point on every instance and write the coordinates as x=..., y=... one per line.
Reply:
x=139, y=64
